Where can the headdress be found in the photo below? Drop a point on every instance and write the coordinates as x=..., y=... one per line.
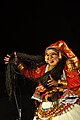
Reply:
x=65, y=50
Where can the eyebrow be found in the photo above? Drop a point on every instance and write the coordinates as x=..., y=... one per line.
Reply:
x=55, y=53
x=56, y=50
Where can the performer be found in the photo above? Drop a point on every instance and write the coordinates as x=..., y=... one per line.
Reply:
x=57, y=75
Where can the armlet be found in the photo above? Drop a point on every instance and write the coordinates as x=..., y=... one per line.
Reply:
x=20, y=66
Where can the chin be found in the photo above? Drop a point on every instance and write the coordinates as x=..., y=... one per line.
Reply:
x=52, y=64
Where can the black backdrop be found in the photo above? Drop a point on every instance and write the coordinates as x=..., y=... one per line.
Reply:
x=30, y=26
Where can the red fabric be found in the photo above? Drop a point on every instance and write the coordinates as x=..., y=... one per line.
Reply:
x=35, y=73
x=73, y=79
x=62, y=46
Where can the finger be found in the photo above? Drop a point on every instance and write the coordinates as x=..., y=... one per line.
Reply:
x=15, y=54
x=6, y=59
x=6, y=62
x=8, y=55
x=50, y=77
x=50, y=84
x=50, y=80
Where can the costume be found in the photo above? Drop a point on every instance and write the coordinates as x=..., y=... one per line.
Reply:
x=56, y=102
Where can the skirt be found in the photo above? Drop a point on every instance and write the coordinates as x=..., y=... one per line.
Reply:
x=68, y=108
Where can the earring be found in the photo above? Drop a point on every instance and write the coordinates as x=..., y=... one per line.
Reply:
x=60, y=56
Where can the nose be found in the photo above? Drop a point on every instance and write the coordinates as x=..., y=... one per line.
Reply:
x=50, y=56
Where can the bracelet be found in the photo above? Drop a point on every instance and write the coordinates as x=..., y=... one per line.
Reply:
x=20, y=66
x=63, y=82
x=59, y=81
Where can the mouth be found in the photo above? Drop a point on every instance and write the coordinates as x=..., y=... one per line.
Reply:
x=51, y=61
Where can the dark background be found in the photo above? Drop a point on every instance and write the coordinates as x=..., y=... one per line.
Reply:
x=30, y=26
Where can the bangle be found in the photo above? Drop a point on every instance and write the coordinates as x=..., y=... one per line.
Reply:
x=20, y=66
x=59, y=81
x=63, y=82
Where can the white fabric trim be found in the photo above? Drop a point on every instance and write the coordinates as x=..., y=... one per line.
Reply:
x=73, y=114
x=35, y=98
x=46, y=68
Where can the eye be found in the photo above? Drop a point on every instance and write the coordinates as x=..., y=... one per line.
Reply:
x=54, y=54
x=47, y=55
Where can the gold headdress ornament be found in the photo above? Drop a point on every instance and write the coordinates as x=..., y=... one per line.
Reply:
x=62, y=46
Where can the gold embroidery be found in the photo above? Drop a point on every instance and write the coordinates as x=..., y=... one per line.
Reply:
x=48, y=114
x=38, y=70
x=20, y=66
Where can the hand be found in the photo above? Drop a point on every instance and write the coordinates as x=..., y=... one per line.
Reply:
x=52, y=82
x=41, y=88
x=7, y=58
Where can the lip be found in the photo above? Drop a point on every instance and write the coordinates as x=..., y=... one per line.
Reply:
x=51, y=61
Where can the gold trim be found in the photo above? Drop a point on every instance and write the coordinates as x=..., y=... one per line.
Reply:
x=20, y=66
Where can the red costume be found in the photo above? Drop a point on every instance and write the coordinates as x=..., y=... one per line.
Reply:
x=73, y=77
x=52, y=106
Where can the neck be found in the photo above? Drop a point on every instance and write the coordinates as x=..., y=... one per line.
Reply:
x=50, y=67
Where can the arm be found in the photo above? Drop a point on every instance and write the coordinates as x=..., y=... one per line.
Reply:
x=15, y=66
x=25, y=62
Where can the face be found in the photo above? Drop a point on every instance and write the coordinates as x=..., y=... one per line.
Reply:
x=51, y=57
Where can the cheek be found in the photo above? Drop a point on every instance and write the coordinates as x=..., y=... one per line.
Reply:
x=46, y=58
x=56, y=57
